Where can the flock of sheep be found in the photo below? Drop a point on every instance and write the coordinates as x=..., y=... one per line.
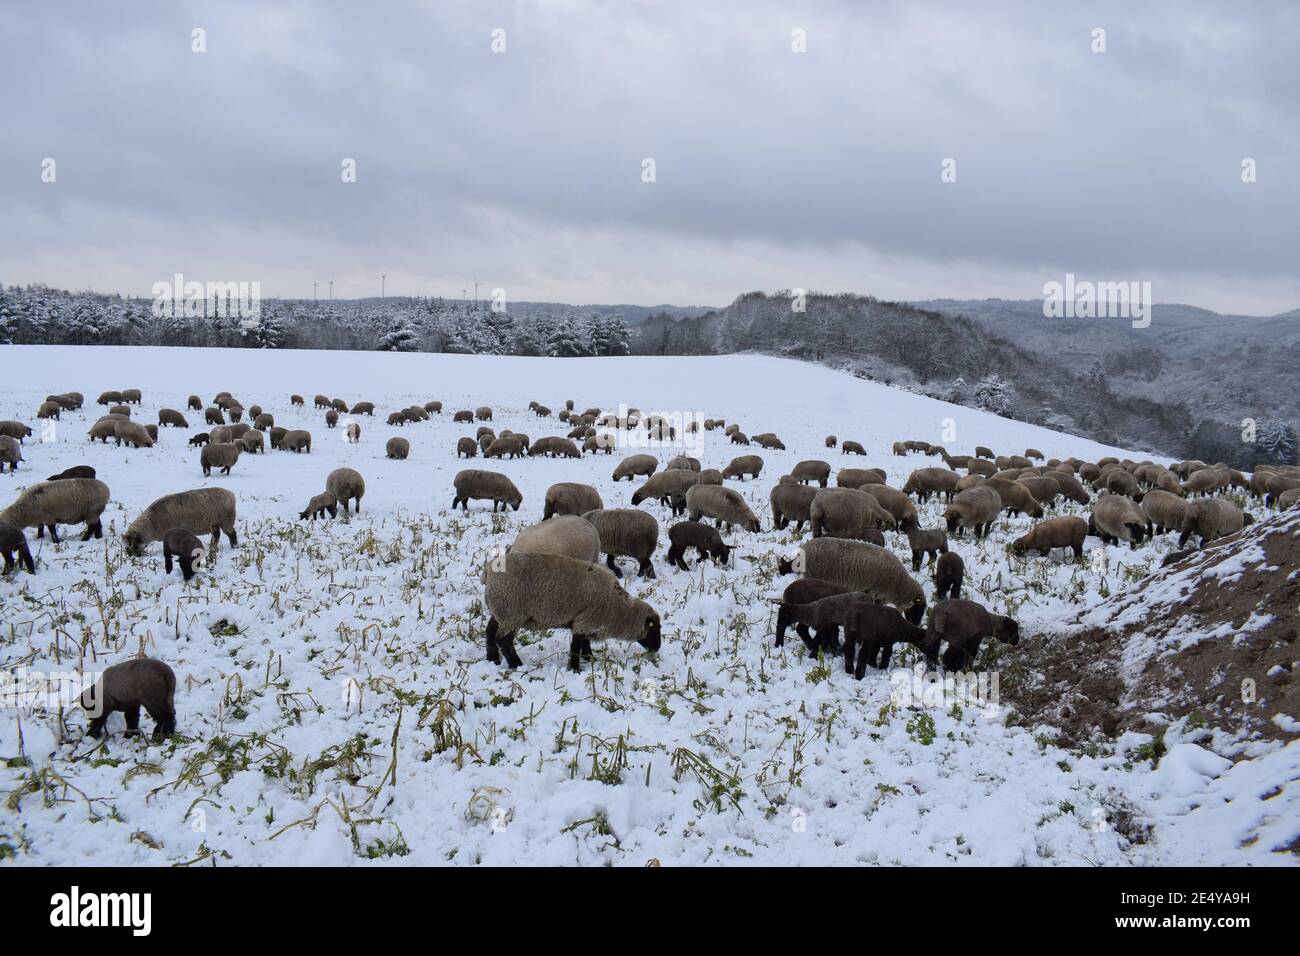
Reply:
x=553, y=575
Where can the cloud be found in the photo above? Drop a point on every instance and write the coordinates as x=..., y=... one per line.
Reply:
x=774, y=168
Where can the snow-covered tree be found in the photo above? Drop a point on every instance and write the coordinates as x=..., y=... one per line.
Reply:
x=994, y=394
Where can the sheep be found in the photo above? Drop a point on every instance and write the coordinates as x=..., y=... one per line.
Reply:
x=924, y=482
x=238, y=431
x=929, y=543
x=276, y=435
x=506, y=445
x=331, y=418
x=464, y=415
x=813, y=469
x=13, y=545
x=570, y=498
x=1065, y=532
x=255, y=412
x=200, y=510
x=132, y=396
x=76, y=471
x=852, y=448
x=1277, y=485
x=978, y=466
x=1117, y=518
x=683, y=463
x=235, y=411
x=48, y=504
x=802, y=591
x=635, y=465
x=792, y=502
x=963, y=625
x=695, y=534
x=169, y=416
x=744, y=465
x=873, y=630
x=65, y=402
x=466, y=447
x=570, y=535
x=109, y=398
x=949, y=571
x=363, y=408
x=122, y=410
x=483, y=414
x=213, y=416
x=1207, y=518
x=352, y=433
x=132, y=434
x=152, y=432
x=1288, y=499
x=1012, y=461
x=892, y=500
x=975, y=508
x=1119, y=482
x=397, y=448
x=16, y=430
x=555, y=447
x=339, y=405
x=186, y=548
x=626, y=532
x=478, y=484
x=710, y=476
x=49, y=410
x=859, y=566
x=263, y=421
x=768, y=440
x=222, y=456
x=831, y=441
x=346, y=484
x=296, y=400
x=1033, y=453
x=11, y=453
x=845, y=513
x=721, y=504
x=554, y=590
x=900, y=449
x=1205, y=481
x=397, y=418
x=223, y=400
x=295, y=441
x=1044, y=489
x=668, y=488
x=1073, y=489
x=857, y=477
x=739, y=438
x=433, y=408
x=221, y=435
x=128, y=686
x=104, y=429
x=319, y=504
x=1164, y=511
x=1015, y=497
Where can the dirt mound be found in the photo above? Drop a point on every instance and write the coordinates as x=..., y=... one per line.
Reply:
x=1211, y=637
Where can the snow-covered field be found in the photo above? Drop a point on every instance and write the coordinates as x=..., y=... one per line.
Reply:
x=334, y=706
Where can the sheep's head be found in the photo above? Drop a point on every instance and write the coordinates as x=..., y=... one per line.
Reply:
x=785, y=565
x=753, y=525
x=134, y=542
x=1020, y=544
x=650, y=631
x=1007, y=630
x=722, y=551
x=951, y=517
x=915, y=612
x=638, y=496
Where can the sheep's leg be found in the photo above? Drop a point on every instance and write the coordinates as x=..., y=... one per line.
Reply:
x=96, y=727
x=575, y=653
x=647, y=569
x=866, y=652
x=164, y=720
x=506, y=642
x=54, y=534
x=167, y=559
x=493, y=653
x=849, y=646
x=916, y=561
x=215, y=544
x=886, y=652
x=609, y=560
x=9, y=562
x=132, y=715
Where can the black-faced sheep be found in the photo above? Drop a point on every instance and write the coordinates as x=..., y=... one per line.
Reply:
x=792, y=502
x=846, y=513
x=859, y=566
x=949, y=571
x=552, y=590
x=975, y=508
x=464, y=415
x=296, y=441
x=570, y=535
x=626, y=532
x=570, y=498
x=931, y=544
x=185, y=547
x=466, y=447
x=48, y=504
x=1164, y=511
x=319, y=504
x=16, y=430
x=169, y=416
x=11, y=453
x=477, y=484
x=296, y=400
x=1210, y=518
x=398, y=448
x=483, y=413
x=1117, y=518
x=76, y=471
x=634, y=465
x=133, y=434
x=331, y=418
x=213, y=416
x=506, y=446
x=812, y=470
x=346, y=484
x=13, y=545
x=695, y=534
x=1065, y=532
x=128, y=686
x=963, y=625
x=749, y=465
x=200, y=510
x=221, y=456
x=721, y=504
x=852, y=448
x=799, y=592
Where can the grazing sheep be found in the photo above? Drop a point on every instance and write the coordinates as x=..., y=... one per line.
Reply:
x=570, y=498
x=1278, y=485
x=1015, y=497
x=949, y=571
x=668, y=488
x=346, y=484
x=852, y=448
x=339, y=405
x=128, y=686
x=635, y=465
x=541, y=411
x=792, y=502
x=169, y=416
x=252, y=442
x=296, y=400
x=331, y=418
x=398, y=448
x=236, y=412
x=963, y=625
x=744, y=465
x=239, y=430
x=695, y=534
x=721, y=504
x=467, y=447
x=830, y=441
x=553, y=590
x=48, y=504
x=570, y=535
x=276, y=435
x=263, y=421
x=133, y=434
x=1033, y=453
x=1117, y=518
x=477, y=484
x=109, y=398
x=152, y=432
x=213, y=416
x=1065, y=532
x=397, y=418
x=978, y=466
x=626, y=532
x=319, y=504
x=768, y=440
x=76, y=471
x=104, y=429
x=602, y=441
x=16, y=430
x=254, y=413
x=433, y=408
x=510, y=445
x=873, y=630
x=900, y=449
x=845, y=513
x=898, y=505
x=464, y=415
x=813, y=469
x=200, y=510
x=49, y=410
x=859, y=566
x=11, y=453
x=1207, y=518
x=186, y=548
x=710, y=476
x=929, y=543
x=132, y=396
x=352, y=433
x=483, y=414
x=798, y=592
x=1045, y=489
x=554, y=447
x=1164, y=511
x=924, y=482
x=122, y=410
x=363, y=408
x=1288, y=499
x=321, y=401
x=683, y=463
x=739, y=438
x=221, y=435
x=221, y=456
x=857, y=477
x=1072, y=488
x=295, y=441
x=13, y=545
x=975, y=508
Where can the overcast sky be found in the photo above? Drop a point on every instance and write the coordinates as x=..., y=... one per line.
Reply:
x=774, y=169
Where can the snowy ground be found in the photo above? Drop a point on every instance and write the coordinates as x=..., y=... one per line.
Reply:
x=334, y=705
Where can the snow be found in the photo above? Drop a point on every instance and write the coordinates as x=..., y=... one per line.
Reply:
x=298, y=652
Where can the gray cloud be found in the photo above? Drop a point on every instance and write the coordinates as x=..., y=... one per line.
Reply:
x=775, y=169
